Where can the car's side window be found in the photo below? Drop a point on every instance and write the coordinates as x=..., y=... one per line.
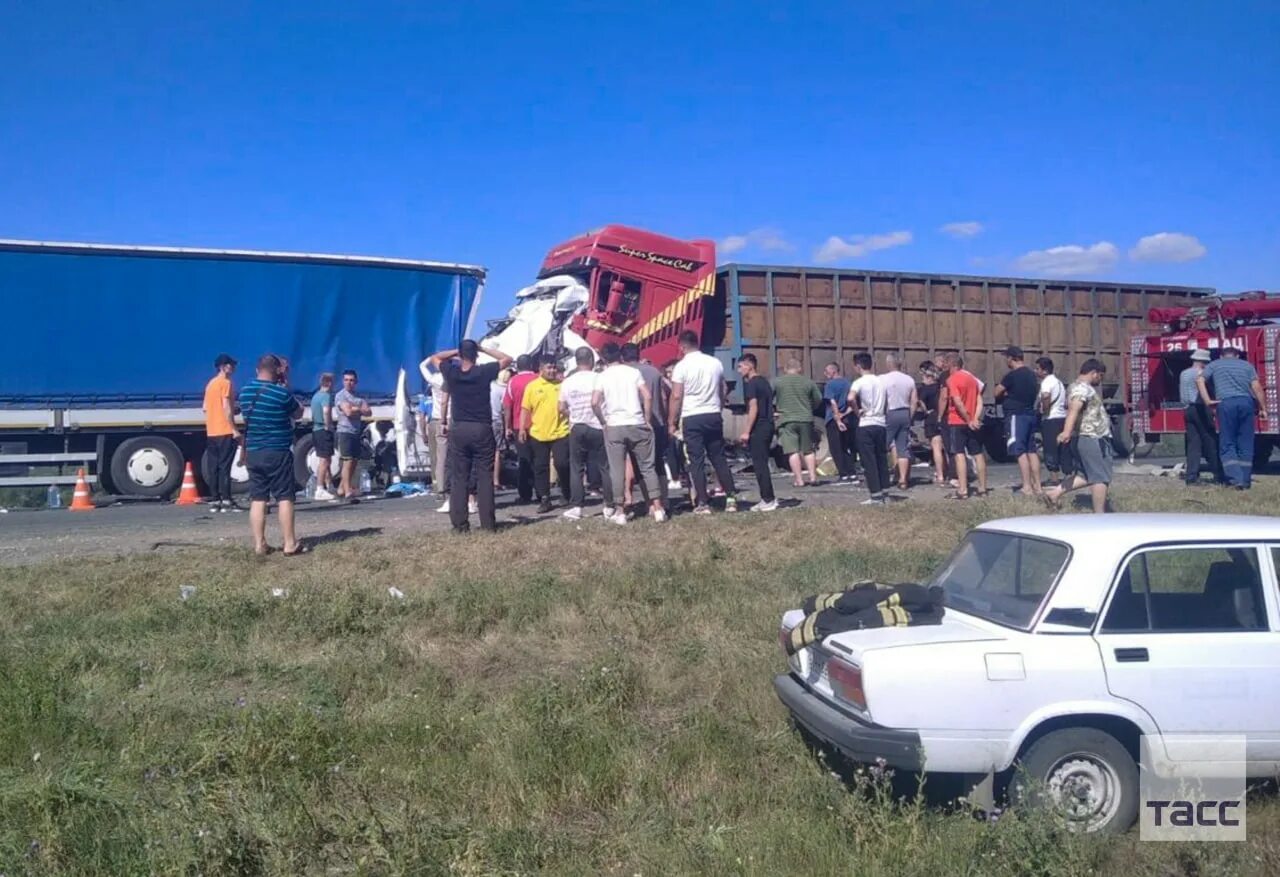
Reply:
x=1189, y=589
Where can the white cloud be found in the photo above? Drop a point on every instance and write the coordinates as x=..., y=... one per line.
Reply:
x=837, y=249
x=1167, y=246
x=770, y=240
x=969, y=229
x=1070, y=259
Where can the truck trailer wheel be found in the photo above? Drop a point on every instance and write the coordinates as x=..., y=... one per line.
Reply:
x=305, y=461
x=146, y=466
x=239, y=474
x=1083, y=776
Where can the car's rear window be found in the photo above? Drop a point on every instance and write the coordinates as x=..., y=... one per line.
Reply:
x=1001, y=576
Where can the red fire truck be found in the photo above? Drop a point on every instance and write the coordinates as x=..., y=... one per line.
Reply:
x=1249, y=322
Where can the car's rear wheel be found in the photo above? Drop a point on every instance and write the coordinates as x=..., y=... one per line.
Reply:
x=1084, y=776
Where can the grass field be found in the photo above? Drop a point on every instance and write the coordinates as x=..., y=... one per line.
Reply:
x=551, y=699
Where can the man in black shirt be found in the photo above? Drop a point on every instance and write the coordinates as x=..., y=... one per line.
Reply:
x=758, y=435
x=1018, y=392
x=471, y=442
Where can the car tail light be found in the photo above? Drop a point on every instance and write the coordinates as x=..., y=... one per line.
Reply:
x=846, y=682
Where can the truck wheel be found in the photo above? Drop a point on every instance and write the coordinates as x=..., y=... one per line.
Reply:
x=146, y=466
x=993, y=442
x=306, y=462
x=1262, y=447
x=239, y=474
x=1084, y=776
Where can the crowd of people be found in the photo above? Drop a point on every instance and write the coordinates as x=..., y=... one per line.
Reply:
x=616, y=424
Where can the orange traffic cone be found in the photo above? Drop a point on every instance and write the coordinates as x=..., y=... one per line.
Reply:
x=188, y=495
x=80, y=501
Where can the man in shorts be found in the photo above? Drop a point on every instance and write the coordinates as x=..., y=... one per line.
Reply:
x=963, y=401
x=1087, y=417
x=901, y=399
x=1018, y=394
x=269, y=411
x=322, y=437
x=350, y=409
x=794, y=399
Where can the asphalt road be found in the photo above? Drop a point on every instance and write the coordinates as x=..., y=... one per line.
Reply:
x=31, y=536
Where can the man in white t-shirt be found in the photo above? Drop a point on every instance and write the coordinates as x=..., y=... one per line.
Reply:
x=586, y=434
x=869, y=402
x=622, y=402
x=1053, y=414
x=697, y=397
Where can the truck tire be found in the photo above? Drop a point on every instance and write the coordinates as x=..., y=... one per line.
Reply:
x=1084, y=776
x=239, y=474
x=993, y=440
x=1262, y=447
x=305, y=461
x=146, y=466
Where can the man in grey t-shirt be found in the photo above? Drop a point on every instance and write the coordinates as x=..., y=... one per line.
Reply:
x=349, y=410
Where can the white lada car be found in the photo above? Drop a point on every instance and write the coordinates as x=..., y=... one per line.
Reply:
x=1065, y=638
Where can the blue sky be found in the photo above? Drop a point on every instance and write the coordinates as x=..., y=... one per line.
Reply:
x=851, y=134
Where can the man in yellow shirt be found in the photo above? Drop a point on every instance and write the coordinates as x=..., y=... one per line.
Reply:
x=221, y=434
x=546, y=428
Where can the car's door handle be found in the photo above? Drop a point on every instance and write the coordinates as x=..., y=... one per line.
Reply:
x=1126, y=656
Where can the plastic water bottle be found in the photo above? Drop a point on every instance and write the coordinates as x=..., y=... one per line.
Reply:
x=366, y=483
x=310, y=491
x=53, y=497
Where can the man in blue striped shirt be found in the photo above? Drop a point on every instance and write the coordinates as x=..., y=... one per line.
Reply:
x=269, y=410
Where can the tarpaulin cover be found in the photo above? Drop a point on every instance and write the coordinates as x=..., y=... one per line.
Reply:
x=149, y=325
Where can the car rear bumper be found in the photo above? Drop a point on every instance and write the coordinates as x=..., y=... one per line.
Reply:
x=850, y=736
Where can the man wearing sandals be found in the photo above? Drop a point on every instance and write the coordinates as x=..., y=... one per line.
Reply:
x=1087, y=417
x=269, y=411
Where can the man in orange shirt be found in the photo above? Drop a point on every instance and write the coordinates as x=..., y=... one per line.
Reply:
x=222, y=435
x=964, y=425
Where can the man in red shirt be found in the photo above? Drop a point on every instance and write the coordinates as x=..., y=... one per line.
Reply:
x=511, y=403
x=964, y=425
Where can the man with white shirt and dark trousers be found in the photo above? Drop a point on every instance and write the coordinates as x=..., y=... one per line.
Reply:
x=471, y=442
x=586, y=434
x=868, y=401
x=622, y=402
x=697, y=398
x=1053, y=414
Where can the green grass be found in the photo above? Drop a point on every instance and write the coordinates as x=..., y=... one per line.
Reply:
x=551, y=699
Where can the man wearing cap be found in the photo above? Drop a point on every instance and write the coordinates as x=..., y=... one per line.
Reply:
x=220, y=433
x=1202, y=438
x=1236, y=389
x=1017, y=393
x=1088, y=430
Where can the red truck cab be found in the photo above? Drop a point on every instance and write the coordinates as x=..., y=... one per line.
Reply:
x=644, y=288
